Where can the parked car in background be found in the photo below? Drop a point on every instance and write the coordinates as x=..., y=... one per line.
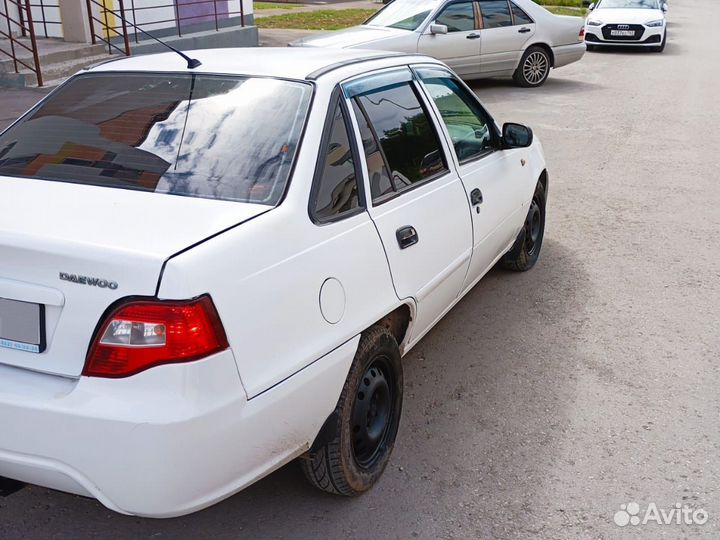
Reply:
x=476, y=38
x=206, y=273
x=622, y=23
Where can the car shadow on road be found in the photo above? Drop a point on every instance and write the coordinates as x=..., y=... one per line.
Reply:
x=485, y=408
x=671, y=48
x=554, y=83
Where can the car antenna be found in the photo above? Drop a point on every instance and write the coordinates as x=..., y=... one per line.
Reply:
x=192, y=63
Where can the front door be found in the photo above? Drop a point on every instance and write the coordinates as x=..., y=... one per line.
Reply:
x=492, y=177
x=418, y=202
x=460, y=47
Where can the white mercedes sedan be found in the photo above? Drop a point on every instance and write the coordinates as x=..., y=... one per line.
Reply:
x=623, y=23
x=476, y=38
x=209, y=269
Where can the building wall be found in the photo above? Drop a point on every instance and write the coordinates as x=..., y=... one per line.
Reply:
x=149, y=14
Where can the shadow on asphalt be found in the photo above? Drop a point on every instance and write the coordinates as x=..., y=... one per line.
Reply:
x=472, y=406
x=555, y=83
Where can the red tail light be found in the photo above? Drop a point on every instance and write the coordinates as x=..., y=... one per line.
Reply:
x=138, y=335
x=581, y=34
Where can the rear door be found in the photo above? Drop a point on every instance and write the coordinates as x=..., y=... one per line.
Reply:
x=491, y=176
x=505, y=30
x=418, y=202
x=460, y=47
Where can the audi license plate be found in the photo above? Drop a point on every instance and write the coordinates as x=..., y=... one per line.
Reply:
x=22, y=326
x=622, y=33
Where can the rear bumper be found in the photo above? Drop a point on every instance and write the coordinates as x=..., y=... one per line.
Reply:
x=567, y=54
x=165, y=442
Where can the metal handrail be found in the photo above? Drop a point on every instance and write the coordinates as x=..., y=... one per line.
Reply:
x=25, y=30
x=113, y=32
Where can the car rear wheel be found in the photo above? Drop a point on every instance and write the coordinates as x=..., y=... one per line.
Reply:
x=365, y=422
x=534, y=68
x=526, y=250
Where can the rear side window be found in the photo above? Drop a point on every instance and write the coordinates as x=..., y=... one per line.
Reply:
x=519, y=16
x=380, y=183
x=495, y=13
x=410, y=146
x=216, y=137
x=336, y=193
x=458, y=17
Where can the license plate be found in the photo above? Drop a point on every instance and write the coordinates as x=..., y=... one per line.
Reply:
x=624, y=33
x=22, y=326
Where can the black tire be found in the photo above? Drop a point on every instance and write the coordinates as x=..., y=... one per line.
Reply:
x=534, y=68
x=591, y=48
x=526, y=250
x=661, y=47
x=366, y=420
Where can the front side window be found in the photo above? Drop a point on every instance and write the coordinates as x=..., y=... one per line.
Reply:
x=495, y=13
x=469, y=126
x=519, y=16
x=336, y=193
x=410, y=146
x=458, y=17
x=216, y=137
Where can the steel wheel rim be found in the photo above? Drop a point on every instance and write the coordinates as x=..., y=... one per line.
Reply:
x=533, y=227
x=535, y=67
x=372, y=414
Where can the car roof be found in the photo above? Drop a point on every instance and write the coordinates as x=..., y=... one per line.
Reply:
x=285, y=62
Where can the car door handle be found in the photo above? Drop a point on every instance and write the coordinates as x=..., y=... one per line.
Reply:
x=524, y=30
x=406, y=236
x=472, y=36
x=476, y=197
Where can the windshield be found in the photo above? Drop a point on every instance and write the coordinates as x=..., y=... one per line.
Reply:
x=216, y=137
x=629, y=4
x=403, y=14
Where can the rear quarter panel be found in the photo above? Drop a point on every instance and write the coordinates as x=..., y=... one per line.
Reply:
x=265, y=278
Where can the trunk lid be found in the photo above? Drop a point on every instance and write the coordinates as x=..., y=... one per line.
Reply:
x=567, y=28
x=75, y=249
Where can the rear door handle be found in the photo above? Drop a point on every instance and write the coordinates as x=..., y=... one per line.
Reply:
x=472, y=36
x=406, y=236
x=476, y=197
x=524, y=30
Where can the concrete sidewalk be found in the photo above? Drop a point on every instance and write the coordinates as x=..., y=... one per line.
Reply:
x=15, y=101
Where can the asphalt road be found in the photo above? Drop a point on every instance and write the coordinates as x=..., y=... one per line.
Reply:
x=545, y=400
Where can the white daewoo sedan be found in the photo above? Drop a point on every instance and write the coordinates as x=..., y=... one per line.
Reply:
x=637, y=23
x=476, y=38
x=206, y=273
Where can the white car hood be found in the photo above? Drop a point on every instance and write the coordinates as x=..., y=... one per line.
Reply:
x=625, y=16
x=354, y=36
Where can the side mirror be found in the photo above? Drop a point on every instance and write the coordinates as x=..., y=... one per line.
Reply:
x=664, y=7
x=591, y=6
x=438, y=28
x=516, y=136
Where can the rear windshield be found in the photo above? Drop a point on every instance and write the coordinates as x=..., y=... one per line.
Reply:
x=215, y=137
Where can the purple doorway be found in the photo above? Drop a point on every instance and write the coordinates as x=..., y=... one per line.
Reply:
x=197, y=11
